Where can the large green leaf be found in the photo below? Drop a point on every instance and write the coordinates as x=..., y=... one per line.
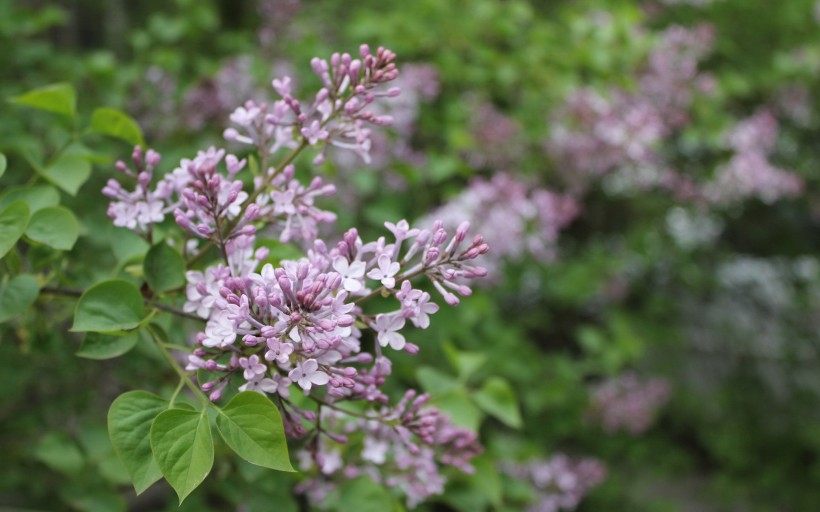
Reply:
x=36, y=197
x=54, y=226
x=112, y=122
x=59, y=98
x=497, y=398
x=164, y=268
x=13, y=222
x=105, y=346
x=68, y=171
x=129, y=425
x=17, y=295
x=2, y=164
x=251, y=425
x=183, y=448
x=109, y=306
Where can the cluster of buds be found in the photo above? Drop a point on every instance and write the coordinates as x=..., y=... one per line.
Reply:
x=338, y=115
x=139, y=209
x=401, y=447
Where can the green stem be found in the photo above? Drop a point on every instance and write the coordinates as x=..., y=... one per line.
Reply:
x=176, y=393
x=177, y=368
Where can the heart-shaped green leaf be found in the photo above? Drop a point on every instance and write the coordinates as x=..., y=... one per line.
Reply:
x=183, y=448
x=68, y=171
x=129, y=425
x=54, y=226
x=251, y=425
x=109, y=306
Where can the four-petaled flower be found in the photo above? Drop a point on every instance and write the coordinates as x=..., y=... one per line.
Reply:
x=388, y=326
x=387, y=269
x=252, y=367
x=307, y=373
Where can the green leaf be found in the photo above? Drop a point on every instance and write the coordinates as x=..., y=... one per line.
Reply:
x=36, y=197
x=68, y=172
x=364, y=495
x=3, y=164
x=107, y=346
x=17, y=295
x=54, y=226
x=251, y=425
x=465, y=363
x=183, y=448
x=112, y=122
x=460, y=409
x=497, y=398
x=164, y=268
x=129, y=425
x=109, y=306
x=434, y=381
x=58, y=98
x=13, y=222
x=59, y=453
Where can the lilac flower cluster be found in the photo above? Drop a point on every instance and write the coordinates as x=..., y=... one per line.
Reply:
x=627, y=403
x=419, y=84
x=559, y=483
x=749, y=173
x=299, y=327
x=515, y=219
x=338, y=116
x=301, y=323
x=401, y=447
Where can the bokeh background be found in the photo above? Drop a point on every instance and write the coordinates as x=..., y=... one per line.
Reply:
x=645, y=171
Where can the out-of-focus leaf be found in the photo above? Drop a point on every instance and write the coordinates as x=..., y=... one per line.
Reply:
x=58, y=98
x=13, y=221
x=497, y=398
x=68, y=172
x=59, y=453
x=164, y=268
x=54, y=226
x=16, y=295
x=112, y=122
